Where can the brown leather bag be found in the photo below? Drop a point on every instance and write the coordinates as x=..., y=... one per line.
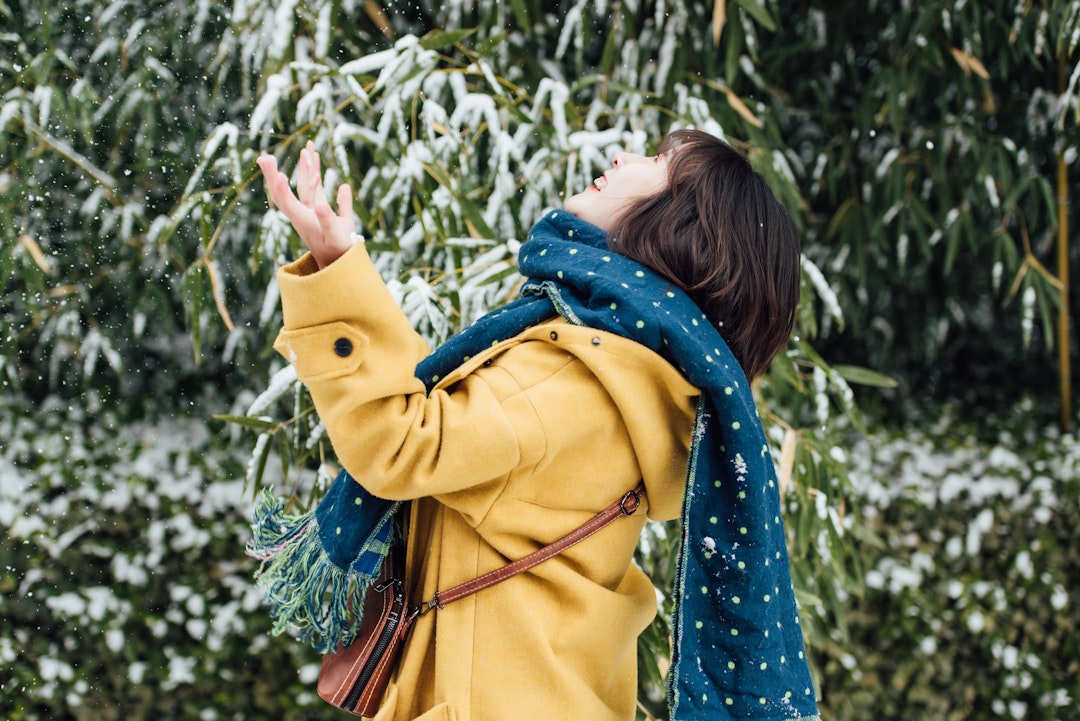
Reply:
x=354, y=677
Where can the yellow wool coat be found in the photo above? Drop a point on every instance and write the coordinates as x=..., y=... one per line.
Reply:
x=511, y=451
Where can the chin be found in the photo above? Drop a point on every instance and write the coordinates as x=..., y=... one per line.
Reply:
x=581, y=206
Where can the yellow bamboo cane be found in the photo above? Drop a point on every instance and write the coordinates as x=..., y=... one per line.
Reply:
x=1064, y=357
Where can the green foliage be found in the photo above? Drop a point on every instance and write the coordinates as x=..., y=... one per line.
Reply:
x=927, y=142
x=103, y=109
x=125, y=591
x=125, y=595
x=971, y=604
x=914, y=146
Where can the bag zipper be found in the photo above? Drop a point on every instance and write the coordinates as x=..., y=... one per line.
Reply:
x=392, y=621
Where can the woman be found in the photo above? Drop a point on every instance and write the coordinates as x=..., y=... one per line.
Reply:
x=608, y=371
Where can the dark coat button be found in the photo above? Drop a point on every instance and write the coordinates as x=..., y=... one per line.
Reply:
x=343, y=347
x=554, y=335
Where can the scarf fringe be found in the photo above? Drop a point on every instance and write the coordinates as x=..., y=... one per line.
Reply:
x=309, y=596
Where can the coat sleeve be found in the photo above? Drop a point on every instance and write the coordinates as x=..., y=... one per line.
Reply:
x=356, y=352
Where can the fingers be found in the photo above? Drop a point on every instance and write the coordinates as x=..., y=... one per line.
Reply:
x=268, y=166
x=344, y=202
x=337, y=228
x=277, y=186
x=309, y=176
x=315, y=164
x=303, y=178
x=325, y=233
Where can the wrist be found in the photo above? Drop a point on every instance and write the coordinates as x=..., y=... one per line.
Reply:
x=329, y=255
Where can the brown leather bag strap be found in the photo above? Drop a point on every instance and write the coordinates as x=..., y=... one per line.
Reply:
x=625, y=506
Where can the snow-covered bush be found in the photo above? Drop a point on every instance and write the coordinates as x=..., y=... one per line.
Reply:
x=125, y=594
x=125, y=591
x=972, y=607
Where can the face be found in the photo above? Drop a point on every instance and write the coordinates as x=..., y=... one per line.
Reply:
x=630, y=179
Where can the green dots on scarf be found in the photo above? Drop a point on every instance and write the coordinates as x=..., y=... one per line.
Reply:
x=763, y=666
x=717, y=483
x=624, y=285
x=728, y=391
x=338, y=530
x=553, y=216
x=704, y=698
x=670, y=294
x=704, y=589
x=766, y=598
x=694, y=321
x=742, y=495
x=435, y=379
x=640, y=324
x=358, y=501
x=559, y=274
x=466, y=359
x=606, y=258
x=736, y=426
x=712, y=519
x=640, y=273
x=543, y=252
x=742, y=530
x=736, y=600
x=699, y=624
x=734, y=632
x=570, y=234
x=573, y=251
x=762, y=701
x=729, y=701
x=709, y=358
x=741, y=565
x=731, y=665
x=614, y=306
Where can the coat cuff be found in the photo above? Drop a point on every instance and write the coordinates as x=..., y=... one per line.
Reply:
x=332, y=316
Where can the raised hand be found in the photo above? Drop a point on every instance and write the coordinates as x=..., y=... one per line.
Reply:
x=326, y=234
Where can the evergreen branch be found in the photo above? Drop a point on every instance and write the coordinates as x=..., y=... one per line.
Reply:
x=80, y=161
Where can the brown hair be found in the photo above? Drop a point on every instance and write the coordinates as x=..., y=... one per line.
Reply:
x=718, y=232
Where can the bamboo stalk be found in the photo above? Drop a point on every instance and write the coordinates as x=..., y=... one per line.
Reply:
x=1064, y=350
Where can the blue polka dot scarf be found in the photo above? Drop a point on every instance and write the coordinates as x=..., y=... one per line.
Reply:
x=738, y=646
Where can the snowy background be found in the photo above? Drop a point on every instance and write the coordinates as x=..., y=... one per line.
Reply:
x=917, y=416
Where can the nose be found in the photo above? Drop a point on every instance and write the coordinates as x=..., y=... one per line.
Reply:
x=623, y=157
